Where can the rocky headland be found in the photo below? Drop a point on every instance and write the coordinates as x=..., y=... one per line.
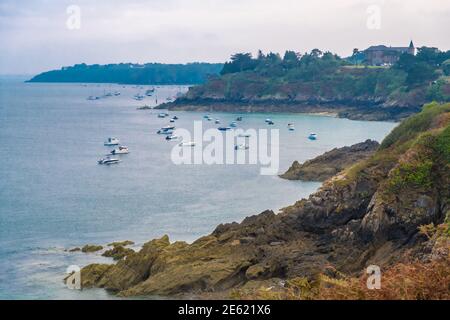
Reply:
x=390, y=209
x=330, y=163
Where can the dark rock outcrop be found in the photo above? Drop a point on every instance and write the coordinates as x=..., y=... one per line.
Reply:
x=330, y=163
x=91, y=248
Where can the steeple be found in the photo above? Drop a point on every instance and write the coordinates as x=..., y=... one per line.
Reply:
x=411, y=48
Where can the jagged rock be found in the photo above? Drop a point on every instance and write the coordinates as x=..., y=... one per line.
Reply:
x=118, y=252
x=75, y=249
x=121, y=243
x=91, y=248
x=330, y=163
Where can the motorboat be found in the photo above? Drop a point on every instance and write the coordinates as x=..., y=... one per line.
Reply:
x=117, y=93
x=108, y=161
x=162, y=115
x=168, y=131
x=270, y=122
x=206, y=116
x=175, y=118
x=217, y=121
x=138, y=97
x=224, y=128
x=239, y=119
x=121, y=150
x=233, y=124
x=172, y=137
x=172, y=120
x=312, y=136
x=93, y=98
x=111, y=142
x=244, y=135
x=291, y=127
x=241, y=147
x=187, y=144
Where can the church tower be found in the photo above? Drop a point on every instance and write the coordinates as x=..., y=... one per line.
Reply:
x=411, y=48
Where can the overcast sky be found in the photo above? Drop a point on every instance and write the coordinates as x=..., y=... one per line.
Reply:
x=34, y=36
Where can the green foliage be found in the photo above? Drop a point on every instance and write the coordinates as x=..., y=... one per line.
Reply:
x=418, y=174
x=442, y=144
x=127, y=73
x=415, y=124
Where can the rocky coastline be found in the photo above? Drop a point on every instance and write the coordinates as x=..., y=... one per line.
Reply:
x=330, y=163
x=373, y=212
x=368, y=110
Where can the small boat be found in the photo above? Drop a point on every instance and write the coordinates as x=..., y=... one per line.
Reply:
x=93, y=98
x=138, y=97
x=111, y=142
x=168, y=131
x=168, y=127
x=172, y=120
x=149, y=92
x=206, y=116
x=312, y=136
x=162, y=115
x=291, y=127
x=209, y=119
x=224, y=128
x=270, y=122
x=241, y=147
x=239, y=119
x=117, y=93
x=108, y=161
x=244, y=135
x=187, y=144
x=121, y=150
x=217, y=121
x=233, y=124
x=175, y=117
x=172, y=137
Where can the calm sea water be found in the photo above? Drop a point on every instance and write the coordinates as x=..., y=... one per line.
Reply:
x=54, y=196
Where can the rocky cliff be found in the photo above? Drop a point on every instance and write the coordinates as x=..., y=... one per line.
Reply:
x=368, y=214
x=330, y=163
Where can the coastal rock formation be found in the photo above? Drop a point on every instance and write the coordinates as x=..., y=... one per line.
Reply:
x=91, y=248
x=118, y=252
x=370, y=213
x=330, y=163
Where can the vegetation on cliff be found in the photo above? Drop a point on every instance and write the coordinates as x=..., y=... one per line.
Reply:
x=318, y=81
x=128, y=73
x=354, y=220
x=330, y=163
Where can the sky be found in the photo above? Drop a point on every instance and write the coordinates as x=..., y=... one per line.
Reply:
x=40, y=35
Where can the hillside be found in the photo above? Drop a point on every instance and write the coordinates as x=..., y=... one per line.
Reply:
x=391, y=209
x=127, y=73
x=324, y=82
x=330, y=163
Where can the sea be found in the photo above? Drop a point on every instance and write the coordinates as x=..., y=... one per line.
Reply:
x=54, y=196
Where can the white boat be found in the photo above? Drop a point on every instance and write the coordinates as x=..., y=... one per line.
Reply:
x=312, y=136
x=172, y=120
x=291, y=127
x=187, y=144
x=93, y=98
x=117, y=93
x=241, y=147
x=162, y=115
x=108, y=161
x=233, y=124
x=244, y=135
x=268, y=120
x=168, y=131
x=172, y=137
x=217, y=121
x=138, y=97
x=121, y=150
x=112, y=142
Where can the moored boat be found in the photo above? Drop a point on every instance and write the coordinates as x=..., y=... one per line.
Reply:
x=111, y=142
